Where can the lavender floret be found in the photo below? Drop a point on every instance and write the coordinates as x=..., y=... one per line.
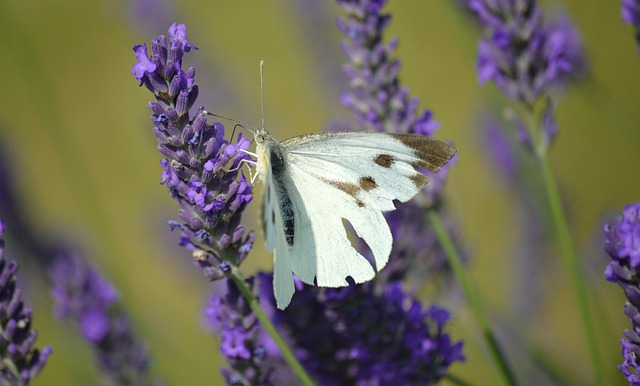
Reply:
x=85, y=297
x=21, y=362
x=201, y=168
x=622, y=243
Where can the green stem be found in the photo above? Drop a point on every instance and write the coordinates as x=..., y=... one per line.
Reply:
x=456, y=264
x=561, y=228
x=568, y=253
x=286, y=352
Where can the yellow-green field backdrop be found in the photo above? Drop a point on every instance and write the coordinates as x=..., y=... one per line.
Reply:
x=78, y=132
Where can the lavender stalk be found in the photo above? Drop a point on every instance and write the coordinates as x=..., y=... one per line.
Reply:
x=622, y=243
x=201, y=170
x=20, y=362
x=85, y=297
x=381, y=104
x=527, y=60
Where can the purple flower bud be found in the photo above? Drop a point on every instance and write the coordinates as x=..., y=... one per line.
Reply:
x=178, y=34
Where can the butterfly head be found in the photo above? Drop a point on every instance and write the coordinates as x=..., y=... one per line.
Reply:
x=261, y=135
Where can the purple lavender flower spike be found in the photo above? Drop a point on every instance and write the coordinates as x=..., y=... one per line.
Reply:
x=380, y=103
x=242, y=338
x=622, y=243
x=519, y=54
x=358, y=335
x=631, y=16
x=85, y=297
x=21, y=362
x=200, y=167
x=376, y=98
x=527, y=59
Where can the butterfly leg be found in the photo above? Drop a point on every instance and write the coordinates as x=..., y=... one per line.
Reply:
x=250, y=165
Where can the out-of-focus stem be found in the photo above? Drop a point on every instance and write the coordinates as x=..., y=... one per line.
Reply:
x=453, y=257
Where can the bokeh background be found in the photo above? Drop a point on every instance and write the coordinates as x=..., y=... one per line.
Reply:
x=77, y=136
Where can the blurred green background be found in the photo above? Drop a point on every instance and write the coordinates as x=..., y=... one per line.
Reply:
x=78, y=134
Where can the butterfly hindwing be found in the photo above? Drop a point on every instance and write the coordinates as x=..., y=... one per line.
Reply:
x=322, y=253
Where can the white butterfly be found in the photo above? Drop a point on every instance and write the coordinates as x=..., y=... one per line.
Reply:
x=314, y=181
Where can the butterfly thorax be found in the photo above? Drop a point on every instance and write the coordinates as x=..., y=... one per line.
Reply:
x=263, y=142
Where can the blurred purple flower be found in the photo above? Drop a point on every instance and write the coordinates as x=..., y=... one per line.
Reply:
x=82, y=295
x=147, y=15
x=519, y=54
x=500, y=149
x=20, y=361
x=201, y=167
x=631, y=16
x=622, y=243
x=358, y=335
x=241, y=337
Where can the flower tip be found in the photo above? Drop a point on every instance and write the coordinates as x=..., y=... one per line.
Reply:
x=144, y=64
x=178, y=33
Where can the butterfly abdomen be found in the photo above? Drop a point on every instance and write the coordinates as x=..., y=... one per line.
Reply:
x=278, y=170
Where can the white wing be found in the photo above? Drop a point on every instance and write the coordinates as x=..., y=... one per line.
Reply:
x=327, y=177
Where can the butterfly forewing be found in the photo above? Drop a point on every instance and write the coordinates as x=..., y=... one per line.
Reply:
x=375, y=168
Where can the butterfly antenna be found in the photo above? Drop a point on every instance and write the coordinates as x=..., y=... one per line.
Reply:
x=244, y=125
x=262, y=90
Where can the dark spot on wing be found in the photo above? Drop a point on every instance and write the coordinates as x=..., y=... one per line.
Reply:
x=350, y=189
x=432, y=154
x=384, y=160
x=419, y=180
x=273, y=216
x=368, y=183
